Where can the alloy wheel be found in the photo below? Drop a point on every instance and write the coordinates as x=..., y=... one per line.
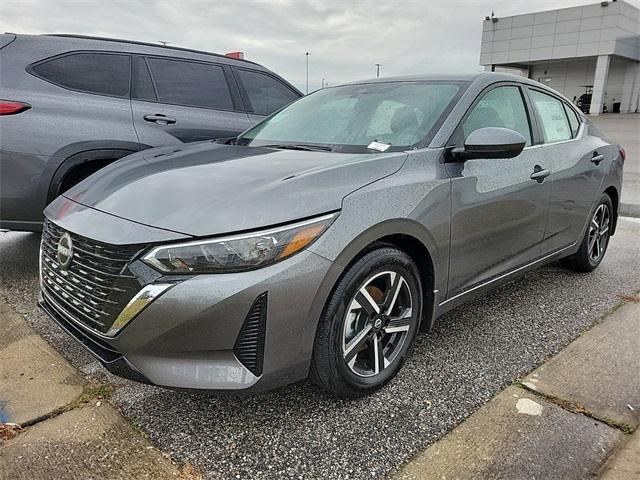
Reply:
x=377, y=323
x=598, y=233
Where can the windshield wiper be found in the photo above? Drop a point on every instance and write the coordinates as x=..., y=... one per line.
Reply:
x=294, y=146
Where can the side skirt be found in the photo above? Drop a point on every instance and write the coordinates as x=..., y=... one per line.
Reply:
x=495, y=282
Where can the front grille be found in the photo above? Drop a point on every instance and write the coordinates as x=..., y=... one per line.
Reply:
x=96, y=286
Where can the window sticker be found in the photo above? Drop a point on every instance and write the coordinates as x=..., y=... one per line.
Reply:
x=379, y=146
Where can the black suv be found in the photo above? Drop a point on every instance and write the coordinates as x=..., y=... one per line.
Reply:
x=72, y=104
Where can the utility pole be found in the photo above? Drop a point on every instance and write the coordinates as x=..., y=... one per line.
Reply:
x=307, y=55
x=377, y=70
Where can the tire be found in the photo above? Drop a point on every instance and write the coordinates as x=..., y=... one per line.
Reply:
x=596, y=239
x=356, y=350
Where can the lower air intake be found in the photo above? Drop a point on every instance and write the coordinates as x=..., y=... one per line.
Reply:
x=249, y=346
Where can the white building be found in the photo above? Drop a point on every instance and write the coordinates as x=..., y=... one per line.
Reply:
x=572, y=50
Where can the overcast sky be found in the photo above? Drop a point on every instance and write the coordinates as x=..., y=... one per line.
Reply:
x=345, y=39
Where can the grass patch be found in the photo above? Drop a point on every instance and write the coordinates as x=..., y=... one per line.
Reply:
x=92, y=393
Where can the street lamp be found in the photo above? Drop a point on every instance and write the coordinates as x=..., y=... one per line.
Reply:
x=377, y=70
x=307, y=55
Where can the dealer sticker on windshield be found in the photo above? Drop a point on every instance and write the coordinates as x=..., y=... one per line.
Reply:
x=381, y=147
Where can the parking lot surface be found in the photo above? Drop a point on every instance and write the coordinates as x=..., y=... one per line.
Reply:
x=299, y=432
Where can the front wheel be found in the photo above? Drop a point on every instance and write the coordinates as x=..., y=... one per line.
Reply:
x=596, y=239
x=369, y=324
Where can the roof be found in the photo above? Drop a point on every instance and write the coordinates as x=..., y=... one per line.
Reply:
x=420, y=78
x=484, y=77
x=144, y=44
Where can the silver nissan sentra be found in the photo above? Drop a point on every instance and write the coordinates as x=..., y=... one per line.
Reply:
x=319, y=242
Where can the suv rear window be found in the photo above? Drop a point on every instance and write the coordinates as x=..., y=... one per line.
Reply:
x=190, y=83
x=266, y=94
x=101, y=73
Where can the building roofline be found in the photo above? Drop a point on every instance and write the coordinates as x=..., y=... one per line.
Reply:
x=563, y=8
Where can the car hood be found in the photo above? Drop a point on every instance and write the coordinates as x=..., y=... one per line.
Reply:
x=208, y=189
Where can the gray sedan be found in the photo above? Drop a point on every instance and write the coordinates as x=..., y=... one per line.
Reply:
x=319, y=242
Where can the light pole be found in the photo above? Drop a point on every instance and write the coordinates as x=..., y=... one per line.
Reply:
x=377, y=70
x=307, y=55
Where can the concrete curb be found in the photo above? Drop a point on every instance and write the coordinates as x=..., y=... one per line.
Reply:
x=35, y=380
x=629, y=210
x=598, y=372
x=571, y=418
x=69, y=429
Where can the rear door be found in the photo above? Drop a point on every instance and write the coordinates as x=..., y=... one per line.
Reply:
x=79, y=101
x=577, y=163
x=175, y=100
x=498, y=211
x=262, y=93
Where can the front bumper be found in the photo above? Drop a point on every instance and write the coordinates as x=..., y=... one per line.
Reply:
x=112, y=360
x=186, y=337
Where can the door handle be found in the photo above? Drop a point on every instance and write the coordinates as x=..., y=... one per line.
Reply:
x=539, y=174
x=597, y=158
x=160, y=119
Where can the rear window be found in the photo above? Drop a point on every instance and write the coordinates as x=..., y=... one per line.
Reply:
x=190, y=83
x=555, y=125
x=266, y=94
x=92, y=72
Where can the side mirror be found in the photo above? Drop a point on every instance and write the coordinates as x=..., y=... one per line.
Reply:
x=491, y=142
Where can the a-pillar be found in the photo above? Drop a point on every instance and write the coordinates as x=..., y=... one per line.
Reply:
x=599, y=84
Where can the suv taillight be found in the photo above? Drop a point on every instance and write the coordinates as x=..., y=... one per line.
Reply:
x=623, y=154
x=8, y=107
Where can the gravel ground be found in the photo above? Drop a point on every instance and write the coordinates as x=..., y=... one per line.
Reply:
x=299, y=432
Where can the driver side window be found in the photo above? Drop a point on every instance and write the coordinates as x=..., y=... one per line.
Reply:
x=500, y=107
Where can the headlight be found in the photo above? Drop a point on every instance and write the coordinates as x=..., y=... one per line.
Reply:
x=238, y=252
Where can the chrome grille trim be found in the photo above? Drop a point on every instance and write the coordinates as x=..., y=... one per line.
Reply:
x=96, y=286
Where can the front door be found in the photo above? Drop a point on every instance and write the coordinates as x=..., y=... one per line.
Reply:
x=577, y=161
x=498, y=211
x=175, y=101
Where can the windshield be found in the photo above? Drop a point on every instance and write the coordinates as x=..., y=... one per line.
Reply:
x=395, y=115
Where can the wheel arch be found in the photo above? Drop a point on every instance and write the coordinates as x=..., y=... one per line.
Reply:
x=405, y=234
x=612, y=191
x=79, y=154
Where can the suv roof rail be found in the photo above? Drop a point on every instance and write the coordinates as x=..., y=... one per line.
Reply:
x=146, y=44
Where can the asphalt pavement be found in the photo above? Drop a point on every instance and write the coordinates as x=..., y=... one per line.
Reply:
x=572, y=418
x=299, y=432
